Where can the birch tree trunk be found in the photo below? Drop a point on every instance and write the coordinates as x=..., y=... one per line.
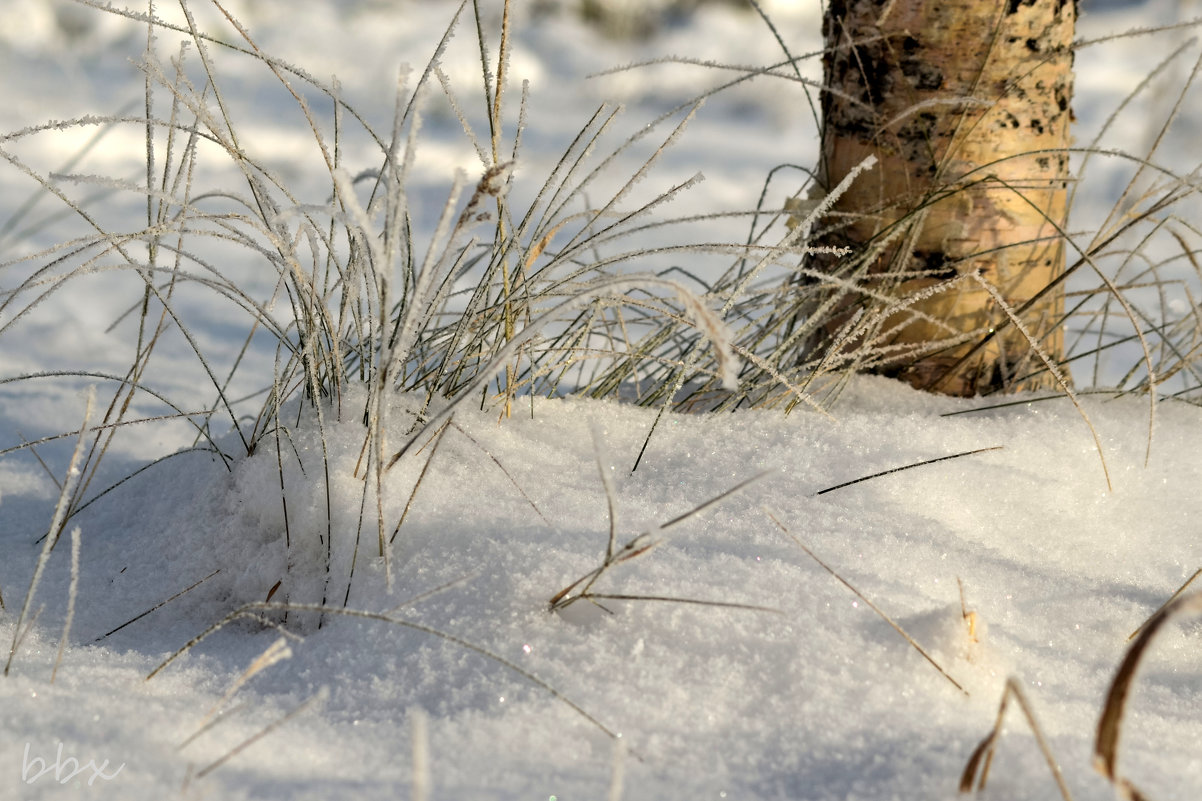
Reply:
x=966, y=107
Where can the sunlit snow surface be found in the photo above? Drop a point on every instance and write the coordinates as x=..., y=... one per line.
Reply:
x=819, y=699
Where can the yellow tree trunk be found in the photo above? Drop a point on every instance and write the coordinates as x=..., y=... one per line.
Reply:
x=966, y=107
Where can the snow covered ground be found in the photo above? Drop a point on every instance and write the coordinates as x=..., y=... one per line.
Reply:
x=811, y=695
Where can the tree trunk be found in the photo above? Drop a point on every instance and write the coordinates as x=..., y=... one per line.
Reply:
x=966, y=107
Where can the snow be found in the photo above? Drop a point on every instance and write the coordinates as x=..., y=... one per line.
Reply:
x=473, y=688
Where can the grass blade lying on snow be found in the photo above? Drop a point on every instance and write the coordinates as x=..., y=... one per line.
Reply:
x=316, y=699
x=603, y=596
x=913, y=643
x=639, y=545
x=157, y=606
x=605, y=472
x=907, y=467
x=252, y=610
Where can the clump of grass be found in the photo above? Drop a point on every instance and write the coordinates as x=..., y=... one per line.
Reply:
x=493, y=301
x=348, y=287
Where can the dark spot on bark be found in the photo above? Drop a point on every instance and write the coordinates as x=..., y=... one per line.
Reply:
x=1043, y=163
x=1062, y=98
x=914, y=138
x=1037, y=126
x=1033, y=45
x=864, y=70
x=922, y=76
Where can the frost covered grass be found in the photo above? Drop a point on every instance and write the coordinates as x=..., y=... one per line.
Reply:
x=354, y=295
x=378, y=559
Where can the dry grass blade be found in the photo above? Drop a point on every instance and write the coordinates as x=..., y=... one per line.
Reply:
x=157, y=606
x=492, y=457
x=701, y=507
x=1172, y=598
x=1065, y=387
x=72, y=593
x=42, y=462
x=317, y=698
x=222, y=716
x=421, y=596
x=1106, y=744
x=419, y=732
x=976, y=772
x=637, y=546
x=605, y=472
x=605, y=596
x=617, y=776
x=276, y=652
x=913, y=643
x=1122, y=300
x=65, y=498
x=1027, y=402
x=907, y=467
x=416, y=485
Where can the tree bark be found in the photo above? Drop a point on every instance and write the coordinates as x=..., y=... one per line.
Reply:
x=966, y=106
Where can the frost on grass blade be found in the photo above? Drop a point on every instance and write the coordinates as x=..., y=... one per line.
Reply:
x=65, y=500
